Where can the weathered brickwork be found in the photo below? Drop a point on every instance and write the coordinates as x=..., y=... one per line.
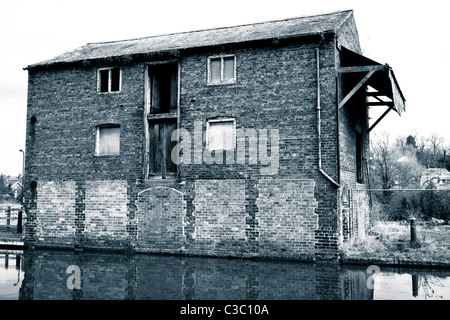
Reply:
x=359, y=213
x=220, y=216
x=106, y=214
x=56, y=218
x=282, y=209
x=160, y=216
x=287, y=218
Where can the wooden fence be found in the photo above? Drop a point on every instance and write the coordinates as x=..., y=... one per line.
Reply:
x=11, y=217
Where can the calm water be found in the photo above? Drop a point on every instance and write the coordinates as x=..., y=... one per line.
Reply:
x=45, y=275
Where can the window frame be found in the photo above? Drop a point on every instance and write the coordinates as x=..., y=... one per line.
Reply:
x=109, y=80
x=222, y=81
x=97, y=139
x=208, y=131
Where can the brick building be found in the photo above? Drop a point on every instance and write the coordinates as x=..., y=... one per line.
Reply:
x=241, y=141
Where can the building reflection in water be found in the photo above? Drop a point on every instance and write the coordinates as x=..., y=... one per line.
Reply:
x=44, y=275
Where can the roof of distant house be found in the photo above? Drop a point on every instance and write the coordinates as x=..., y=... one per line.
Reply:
x=435, y=172
x=293, y=27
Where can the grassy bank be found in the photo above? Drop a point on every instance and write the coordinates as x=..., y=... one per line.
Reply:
x=389, y=243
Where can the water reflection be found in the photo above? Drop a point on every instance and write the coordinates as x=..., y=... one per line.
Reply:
x=44, y=275
x=11, y=274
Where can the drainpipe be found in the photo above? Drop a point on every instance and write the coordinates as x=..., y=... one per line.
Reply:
x=318, y=116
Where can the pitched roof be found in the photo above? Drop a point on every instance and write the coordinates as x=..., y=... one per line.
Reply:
x=436, y=172
x=301, y=26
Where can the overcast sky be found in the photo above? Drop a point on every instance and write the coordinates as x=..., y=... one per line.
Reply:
x=411, y=36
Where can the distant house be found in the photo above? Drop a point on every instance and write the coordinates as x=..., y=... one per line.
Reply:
x=435, y=177
x=15, y=186
x=16, y=189
x=240, y=141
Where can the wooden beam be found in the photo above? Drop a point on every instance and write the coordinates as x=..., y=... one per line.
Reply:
x=379, y=119
x=374, y=94
x=380, y=103
x=356, y=88
x=363, y=68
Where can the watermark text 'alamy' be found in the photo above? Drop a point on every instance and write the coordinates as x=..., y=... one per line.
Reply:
x=263, y=148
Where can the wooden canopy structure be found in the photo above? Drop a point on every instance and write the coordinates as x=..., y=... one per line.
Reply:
x=374, y=80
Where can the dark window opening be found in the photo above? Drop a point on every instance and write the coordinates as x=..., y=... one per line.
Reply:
x=115, y=79
x=164, y=88
x=104, y=80
x=109, y=80
x=359, y=158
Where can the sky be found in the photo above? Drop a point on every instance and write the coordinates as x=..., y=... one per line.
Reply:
x=411, y=36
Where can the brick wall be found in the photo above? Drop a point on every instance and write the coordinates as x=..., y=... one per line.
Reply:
x=220, y=218
x=56, y=218
x=287, y=102
x=160, y=216
x=67, y=108
x=287, y=218
x=219, y=209
x=106, y=214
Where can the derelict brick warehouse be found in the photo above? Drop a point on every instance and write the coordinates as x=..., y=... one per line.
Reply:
x=241, y=141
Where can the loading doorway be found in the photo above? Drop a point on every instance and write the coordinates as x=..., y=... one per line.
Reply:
x=160, y=148
x=162, y=99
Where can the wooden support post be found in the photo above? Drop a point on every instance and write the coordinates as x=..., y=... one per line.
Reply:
x=164, y=150
x=380, y=118
x=8, y=216
x=19, y=222
x=415, y=284
x=413, y=231
x=356, y=88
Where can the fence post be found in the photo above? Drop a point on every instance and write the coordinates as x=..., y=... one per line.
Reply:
x=413, y=230
x=8, y=216
x=19, y=222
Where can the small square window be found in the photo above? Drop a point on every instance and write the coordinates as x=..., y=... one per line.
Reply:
x=221, y=134
x=108, y=140
x=221, y=69
x=109, y=80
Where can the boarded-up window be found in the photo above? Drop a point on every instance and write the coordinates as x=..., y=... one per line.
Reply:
x=109, y=80
x=221, y=134
x=215, y=66
x=228, y=68
x=108, y=140
x=222, y=69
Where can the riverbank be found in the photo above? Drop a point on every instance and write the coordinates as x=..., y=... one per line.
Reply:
x=388, y=243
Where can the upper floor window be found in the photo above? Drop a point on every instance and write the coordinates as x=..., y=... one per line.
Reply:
x=221, y=134
x=108, y=140
x=109, y=80
x=222, y=69
x=163, y=87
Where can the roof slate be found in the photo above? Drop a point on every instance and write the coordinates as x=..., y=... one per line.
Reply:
x=301, y=26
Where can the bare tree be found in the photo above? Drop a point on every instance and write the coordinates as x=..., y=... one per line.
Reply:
x=394, y=164
x=435, y=143
x=381, y=161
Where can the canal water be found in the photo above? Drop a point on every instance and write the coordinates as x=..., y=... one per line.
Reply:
x=66, y=275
